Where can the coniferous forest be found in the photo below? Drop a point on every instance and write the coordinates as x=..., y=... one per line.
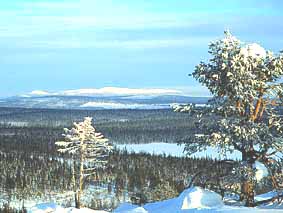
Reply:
x=32, y=169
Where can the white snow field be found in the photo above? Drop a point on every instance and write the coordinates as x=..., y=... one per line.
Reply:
x=173, y=149
x=195, y=199
x=51, y=207
x=191, y=200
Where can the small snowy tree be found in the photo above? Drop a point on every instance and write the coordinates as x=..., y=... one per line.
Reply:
x=89, y=150
x=243, y=80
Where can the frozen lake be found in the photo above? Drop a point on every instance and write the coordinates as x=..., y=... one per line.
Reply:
x=175, y=150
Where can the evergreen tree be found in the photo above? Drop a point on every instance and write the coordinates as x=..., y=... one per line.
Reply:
x=89, y=149
x=243, y=80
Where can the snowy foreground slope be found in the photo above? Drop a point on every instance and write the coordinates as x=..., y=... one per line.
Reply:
x=193, y=199
x=51, y=207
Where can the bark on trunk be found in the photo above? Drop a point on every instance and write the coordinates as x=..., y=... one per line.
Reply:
x=257, y=108
x=244, y=183
x=80, y=183
x=250, y=202
x=247, y=187
x=81, y=177
x=74, y=184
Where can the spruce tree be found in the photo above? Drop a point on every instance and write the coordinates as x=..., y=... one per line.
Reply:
x=247, y=95
x=89, y=150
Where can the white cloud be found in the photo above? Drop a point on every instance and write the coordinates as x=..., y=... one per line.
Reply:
x=52, y=5
x=91, y=31
x=92, y=24
x=37, y=18
x=93, y=14
x=125, y=44
x=125, y=21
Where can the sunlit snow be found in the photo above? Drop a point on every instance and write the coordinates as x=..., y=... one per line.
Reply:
x=113, y=105
x=261, y=171
x=193, y=199
x=109, y=91
x=39, y=92
x=253, y=50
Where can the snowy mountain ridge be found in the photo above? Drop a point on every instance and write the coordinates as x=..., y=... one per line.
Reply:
x=102, y=99
x=107, y=91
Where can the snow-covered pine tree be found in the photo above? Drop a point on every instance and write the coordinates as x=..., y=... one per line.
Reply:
x=247, y=98
x=89, y=150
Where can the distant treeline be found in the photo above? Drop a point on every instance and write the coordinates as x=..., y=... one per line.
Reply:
x=120, y=126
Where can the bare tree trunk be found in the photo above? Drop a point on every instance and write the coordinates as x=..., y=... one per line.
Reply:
x=250, y=202
x=81, y=178
x=74, y=184
x=257, y=108
x=244, y=182
x=247, y=186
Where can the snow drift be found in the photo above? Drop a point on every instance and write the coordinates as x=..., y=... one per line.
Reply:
x=52, y=207
x=196, y=199
x=192, y=198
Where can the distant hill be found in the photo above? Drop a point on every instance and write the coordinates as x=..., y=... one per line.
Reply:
x=100, y=102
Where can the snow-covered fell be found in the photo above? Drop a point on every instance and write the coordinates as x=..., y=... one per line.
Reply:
x=113, y=105
x=37, y=93
x=109, y=91
x=105, y=101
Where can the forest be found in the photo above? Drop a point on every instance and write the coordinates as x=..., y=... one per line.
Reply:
x=120, y=126
x=32, y=169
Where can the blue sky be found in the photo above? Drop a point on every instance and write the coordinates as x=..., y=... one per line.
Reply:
x=58, y=45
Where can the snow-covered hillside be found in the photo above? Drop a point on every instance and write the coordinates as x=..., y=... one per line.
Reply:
x=194, y=199
x=51, y=207
x=191, y=200
x=105, y=98
x=109, y=91
x=117, y=105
